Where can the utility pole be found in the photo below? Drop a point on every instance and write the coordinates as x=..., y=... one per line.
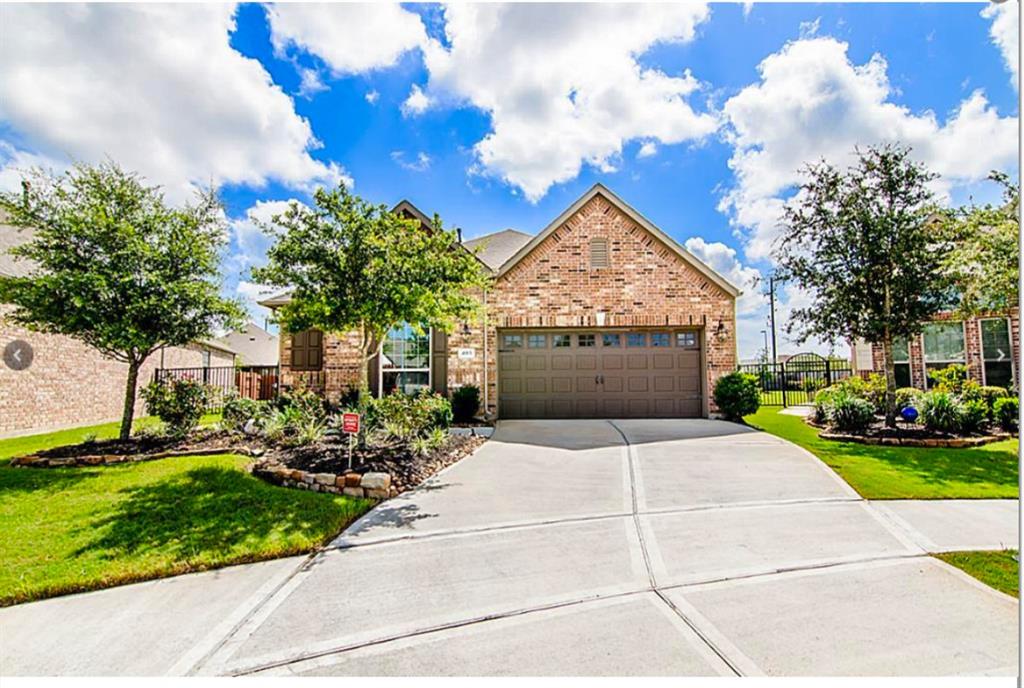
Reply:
x=765, y=333
x=771, y=297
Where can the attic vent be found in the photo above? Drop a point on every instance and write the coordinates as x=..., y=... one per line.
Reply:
x=598, y=253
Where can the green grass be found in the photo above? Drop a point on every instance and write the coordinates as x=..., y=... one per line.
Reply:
x=998, y=569
x=73, y=529
x=884, y=472
x=30, y=444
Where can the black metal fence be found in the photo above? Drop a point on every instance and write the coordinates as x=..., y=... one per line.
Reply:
x=254, y=382
x=795, y=382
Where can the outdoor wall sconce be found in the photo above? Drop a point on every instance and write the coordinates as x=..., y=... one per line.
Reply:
x=465, y=327
x=720, y=330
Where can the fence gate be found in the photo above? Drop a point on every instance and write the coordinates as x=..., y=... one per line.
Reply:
x=254, y=382
x=794, y=382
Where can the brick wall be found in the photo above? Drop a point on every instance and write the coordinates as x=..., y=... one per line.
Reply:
x=70, y=384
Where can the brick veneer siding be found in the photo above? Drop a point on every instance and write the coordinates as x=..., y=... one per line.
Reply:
x=646, y=284
x=70, y=384
x=972, y=349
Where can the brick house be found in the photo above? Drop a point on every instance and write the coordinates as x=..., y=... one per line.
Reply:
x=68, y=383
x=989, y=345
x=601, y=314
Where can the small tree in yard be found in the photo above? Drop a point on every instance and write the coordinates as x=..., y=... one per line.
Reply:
x=983, y=260
x=116, y=267
x=352, y=265
x=865, y=247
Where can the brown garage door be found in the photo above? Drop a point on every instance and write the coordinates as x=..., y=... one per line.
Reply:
x=599, y=374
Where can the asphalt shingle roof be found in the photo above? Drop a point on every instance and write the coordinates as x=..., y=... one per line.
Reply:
x=496, y=248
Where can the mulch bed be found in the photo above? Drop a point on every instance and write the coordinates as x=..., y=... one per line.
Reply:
x=407, y=470
x=907, y=436
x=150, y=444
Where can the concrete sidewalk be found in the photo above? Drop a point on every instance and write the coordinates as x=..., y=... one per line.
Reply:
x=576, y=548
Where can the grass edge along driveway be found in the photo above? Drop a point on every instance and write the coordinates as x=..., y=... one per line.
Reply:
x=886, y=472
x=998, y=569
x=77, y=529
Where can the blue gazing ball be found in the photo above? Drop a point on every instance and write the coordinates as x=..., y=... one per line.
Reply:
x=909, y=414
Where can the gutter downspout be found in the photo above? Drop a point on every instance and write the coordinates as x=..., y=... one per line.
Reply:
x=486, y=362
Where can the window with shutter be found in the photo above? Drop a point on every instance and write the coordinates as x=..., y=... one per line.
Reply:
x=307, y=350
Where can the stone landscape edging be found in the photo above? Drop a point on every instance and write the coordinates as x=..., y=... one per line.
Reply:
x=350, y=484
x=947, y=442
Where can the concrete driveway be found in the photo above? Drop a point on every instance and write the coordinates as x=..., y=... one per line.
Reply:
x=583, y=548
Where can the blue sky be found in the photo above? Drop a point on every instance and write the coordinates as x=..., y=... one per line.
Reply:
x=497, y=116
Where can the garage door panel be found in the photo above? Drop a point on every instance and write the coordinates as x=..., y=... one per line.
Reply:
x=536, y=385
x=612, y=362
x=612, y=384
x=600, y=381
x=636, y=361
x=561, y=362
x=510, y=362
x=561, y=385
x=662, y=361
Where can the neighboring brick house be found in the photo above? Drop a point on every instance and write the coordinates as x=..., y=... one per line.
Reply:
x=989, y=345
x=601, y=314
x=68, y=383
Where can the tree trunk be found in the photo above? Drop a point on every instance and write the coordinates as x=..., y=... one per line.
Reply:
x=129, y=400
x=890, y=382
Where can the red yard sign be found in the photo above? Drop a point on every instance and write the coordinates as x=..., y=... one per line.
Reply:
x=350, y=423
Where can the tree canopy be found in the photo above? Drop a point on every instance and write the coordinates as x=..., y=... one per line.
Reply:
x=864, y=246
x=115, y=266
x=352, y=265
x=983, y=259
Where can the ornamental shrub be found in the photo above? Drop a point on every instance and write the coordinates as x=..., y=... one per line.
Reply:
x=940, y=411
x=178, y=403
x=1006, y=413
x=949, y=379
x=737, y=394
x=823, y=403
x=307, y=404
x=465, y=403
x=973, y=415
x=407, y=416
x=906, y=396
x=990, y=395
x=239, y=410
x=850, y=413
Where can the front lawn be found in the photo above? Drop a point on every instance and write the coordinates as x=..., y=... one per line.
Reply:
x=885, y=472
x=1001, y=570
x=74, y=529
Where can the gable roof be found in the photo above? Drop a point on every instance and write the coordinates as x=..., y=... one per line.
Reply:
x=631, y=213
x=498, y=247
x=253, y=344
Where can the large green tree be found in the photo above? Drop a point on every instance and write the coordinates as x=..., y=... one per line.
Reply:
x=116, y=267
x=983, y=260
x=352, y=265
x=864, y=245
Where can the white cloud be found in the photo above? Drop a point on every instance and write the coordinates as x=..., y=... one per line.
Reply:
x=311, y=83
x=350, y=37
x=420, y=164
x=251, y=242
x=813, y=103
x=562, y=84
x=417, y=102
x=157, y=88
x=809, y=28
x=1005, y=32
x=648, y=149
x=250, y=293
x=722, y=259
x=372, y=97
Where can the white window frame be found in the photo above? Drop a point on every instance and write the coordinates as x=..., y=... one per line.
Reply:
x=429, y=370
x=1009, y=340
x=924, y=353
x=910, y=360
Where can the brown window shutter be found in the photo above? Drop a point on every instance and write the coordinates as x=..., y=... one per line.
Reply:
x=307, y=350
